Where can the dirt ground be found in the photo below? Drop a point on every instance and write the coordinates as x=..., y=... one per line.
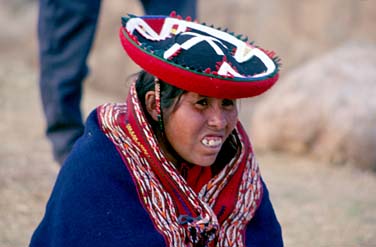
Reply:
x=317, y=204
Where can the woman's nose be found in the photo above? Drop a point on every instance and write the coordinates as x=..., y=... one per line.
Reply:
x=217, y=118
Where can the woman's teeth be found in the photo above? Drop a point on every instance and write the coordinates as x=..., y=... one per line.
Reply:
x=212, y=142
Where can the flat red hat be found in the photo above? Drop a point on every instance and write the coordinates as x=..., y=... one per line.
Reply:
x=198, y=58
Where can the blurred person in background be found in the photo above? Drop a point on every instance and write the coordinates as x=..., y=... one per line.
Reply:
x=66, y=31
x=172, y=165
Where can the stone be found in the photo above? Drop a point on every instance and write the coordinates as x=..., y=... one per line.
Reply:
x=325, y=108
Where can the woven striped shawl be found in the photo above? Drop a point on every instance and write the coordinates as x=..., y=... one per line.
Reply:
x=217, y=215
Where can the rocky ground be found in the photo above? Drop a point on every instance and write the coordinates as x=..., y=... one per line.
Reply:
x=317, y=204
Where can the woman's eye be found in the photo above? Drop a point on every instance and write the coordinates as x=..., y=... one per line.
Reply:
x=202, y=102
x=228, y=102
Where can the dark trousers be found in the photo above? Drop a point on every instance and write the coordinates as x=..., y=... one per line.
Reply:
x=66, y=32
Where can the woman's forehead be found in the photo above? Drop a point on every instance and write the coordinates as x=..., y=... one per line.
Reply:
x=197, y=95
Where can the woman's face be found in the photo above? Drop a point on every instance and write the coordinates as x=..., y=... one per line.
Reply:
x=198, y=126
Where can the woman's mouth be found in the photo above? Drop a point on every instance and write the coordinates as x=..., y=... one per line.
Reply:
x=212, y=142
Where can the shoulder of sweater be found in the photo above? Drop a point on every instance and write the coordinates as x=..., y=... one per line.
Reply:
x=94, y=154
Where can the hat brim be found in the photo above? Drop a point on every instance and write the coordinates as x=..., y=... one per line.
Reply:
x=207, y=84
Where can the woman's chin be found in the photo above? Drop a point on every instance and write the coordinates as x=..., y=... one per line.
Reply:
x=205, y=161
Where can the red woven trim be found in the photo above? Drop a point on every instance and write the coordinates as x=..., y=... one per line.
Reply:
x=191, y=81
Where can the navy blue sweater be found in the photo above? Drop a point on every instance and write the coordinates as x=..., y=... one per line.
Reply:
x=95, y=203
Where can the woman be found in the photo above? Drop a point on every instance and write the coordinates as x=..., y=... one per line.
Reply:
x=172, y=166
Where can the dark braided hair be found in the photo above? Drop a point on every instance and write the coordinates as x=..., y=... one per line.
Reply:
x=170, y=95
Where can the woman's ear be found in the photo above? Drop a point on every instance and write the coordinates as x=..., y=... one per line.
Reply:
x=151, y=105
